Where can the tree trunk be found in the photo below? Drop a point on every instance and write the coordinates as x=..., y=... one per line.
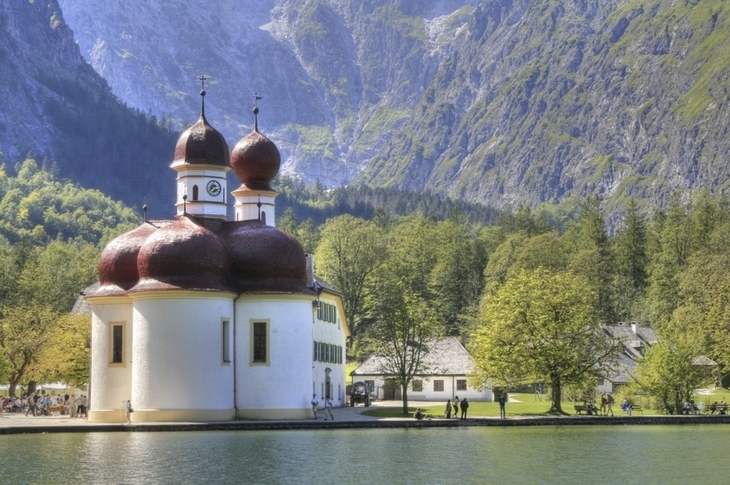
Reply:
x=405, y=399
x=557, y=392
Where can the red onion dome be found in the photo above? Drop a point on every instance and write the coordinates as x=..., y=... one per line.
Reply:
x=182, y=255
x=255, y=161
x=118, y=262
x=201, y=144
x=263, y=258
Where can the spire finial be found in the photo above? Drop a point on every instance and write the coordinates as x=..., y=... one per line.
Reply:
x=259, y=206
x=256, y=98
x=202, y=95
x=185, y=206
x=144, y=209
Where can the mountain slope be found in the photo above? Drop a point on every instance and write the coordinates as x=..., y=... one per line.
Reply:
x=56, y=108
x=495, y=101
x=574, y=97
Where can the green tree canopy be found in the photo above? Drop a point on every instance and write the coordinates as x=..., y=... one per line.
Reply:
x=541, y=326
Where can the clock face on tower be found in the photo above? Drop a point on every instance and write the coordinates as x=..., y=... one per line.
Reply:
x=214, y=188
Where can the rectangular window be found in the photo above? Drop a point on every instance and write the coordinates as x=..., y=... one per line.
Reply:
x=461, y=384
x=438, y=385
x=117, y=344
x=259, y=342
x=315, y=352
x=417, y=385
x=226, y=337
x=371, y=386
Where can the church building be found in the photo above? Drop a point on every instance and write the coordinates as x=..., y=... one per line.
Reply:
x=205, y=319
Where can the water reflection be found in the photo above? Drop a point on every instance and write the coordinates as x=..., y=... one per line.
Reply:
x=566, y=455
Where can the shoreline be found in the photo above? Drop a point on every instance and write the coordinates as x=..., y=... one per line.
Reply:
x=346, y=418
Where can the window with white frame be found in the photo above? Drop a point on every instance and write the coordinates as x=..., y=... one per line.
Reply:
x=226, y=340
x=417, y=385
x=461, y=384
x=438, y=385
x=260, y=342
x=116, y=342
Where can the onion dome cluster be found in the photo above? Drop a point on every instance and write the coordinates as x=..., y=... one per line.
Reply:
x=242, y=256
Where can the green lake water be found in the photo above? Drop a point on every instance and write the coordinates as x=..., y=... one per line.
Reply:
x=616, y=455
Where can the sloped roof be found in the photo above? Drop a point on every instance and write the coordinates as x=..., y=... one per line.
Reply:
x=637, y=339
x=445, y=357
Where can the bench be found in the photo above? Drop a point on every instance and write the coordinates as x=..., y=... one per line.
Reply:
x=582, y=408
x=637, y=408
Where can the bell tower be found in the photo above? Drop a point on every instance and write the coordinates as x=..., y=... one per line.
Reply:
x=201, y=161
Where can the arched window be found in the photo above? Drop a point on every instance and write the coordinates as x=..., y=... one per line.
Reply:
x=195, y=192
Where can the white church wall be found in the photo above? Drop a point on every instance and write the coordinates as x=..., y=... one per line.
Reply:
x=280, y=386
x=111, y=382
x=178, y=356
x=329, y=330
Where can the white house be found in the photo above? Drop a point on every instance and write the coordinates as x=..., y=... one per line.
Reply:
x=447, y=365
x=636, y=340
x=204, y=319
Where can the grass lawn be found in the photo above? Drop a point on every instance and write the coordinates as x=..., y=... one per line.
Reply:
x=528, y=406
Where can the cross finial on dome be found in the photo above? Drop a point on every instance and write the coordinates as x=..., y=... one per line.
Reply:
x=202, y=95
x=256, y=98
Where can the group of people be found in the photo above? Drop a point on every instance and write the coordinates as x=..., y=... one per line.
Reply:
x=452, y=408
x=38, y=404
x=720, y=408
x=606, y=408
x=463, y=404
x=327, y=407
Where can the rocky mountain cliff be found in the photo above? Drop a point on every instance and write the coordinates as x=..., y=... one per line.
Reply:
x=57, y=109
x=497, y=101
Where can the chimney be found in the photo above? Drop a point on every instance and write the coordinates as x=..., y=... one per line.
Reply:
x=310, y=269
x=633, y=327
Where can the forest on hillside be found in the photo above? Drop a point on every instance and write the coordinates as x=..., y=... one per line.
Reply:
x=437, y=267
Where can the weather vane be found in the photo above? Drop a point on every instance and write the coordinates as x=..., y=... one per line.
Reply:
x=202, y=93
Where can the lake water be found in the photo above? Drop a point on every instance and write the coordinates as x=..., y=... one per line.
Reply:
x=616, y=455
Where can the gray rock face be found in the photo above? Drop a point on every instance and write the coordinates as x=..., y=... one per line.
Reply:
x=495, y=101
x=331, y=73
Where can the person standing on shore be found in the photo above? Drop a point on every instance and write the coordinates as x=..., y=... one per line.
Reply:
x=464, y=408
x=447, y=411
x=456, y=407
x=502, y=402
x=315, y=404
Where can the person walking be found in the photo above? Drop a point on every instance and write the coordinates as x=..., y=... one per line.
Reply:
x=447, y=411
x=33, y=404
x=609, y=405
x=128, y=411
x=502, y=402
x=328, y=409
x=315, y=404
x=456, y=407
x=464, y=408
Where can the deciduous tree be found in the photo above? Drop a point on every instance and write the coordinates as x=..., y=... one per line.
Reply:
x=541, y=326
x=672, y=369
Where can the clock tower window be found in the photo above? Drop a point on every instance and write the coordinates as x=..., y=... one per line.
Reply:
x=195, y=192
